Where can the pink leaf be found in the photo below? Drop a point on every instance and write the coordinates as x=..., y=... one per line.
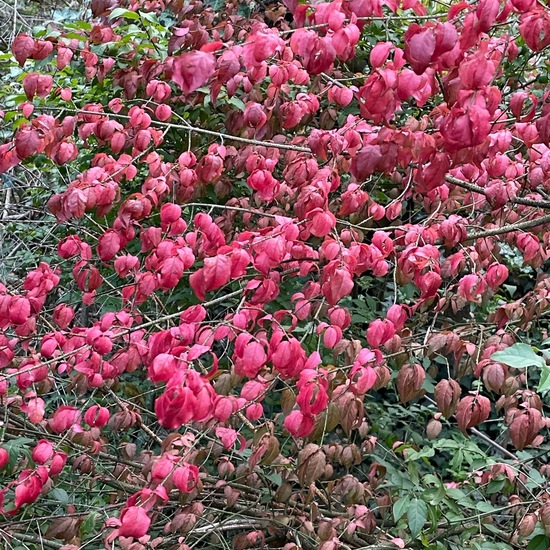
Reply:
x=337, y=286
x=192, y=70
x=299, y=424
x=228, y=436
x=134, y=522
x=215, y=274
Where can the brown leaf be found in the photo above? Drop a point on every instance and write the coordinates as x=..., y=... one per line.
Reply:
x=63, y=528
x=311, y=464
x=231, y=495
x=446, y=395
x=409, y=382
x=351, y=411
x=523, y=426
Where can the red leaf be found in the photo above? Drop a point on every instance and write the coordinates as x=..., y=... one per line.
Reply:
x=212, y=46
x=63, y=152
x=465, y=127
x=22, y=48
x=228, y=436
x=170, y=272
x=96, y=416
x=317, y=53
x=298, y=424
x=524, y=426
x=64, y=56
x=64, y=418
x=4, y=458
x=471, y=287
x=186, y=477
x=28, y=488
x=366, y=162
x=42, y=49
x=20, y=310
x=446, y=395
x=487, y=11
x=379, y=332
x=27, y=142
x=215, y=273
x=43, y=451
x=8, y=157
x=496, y=275
x=379, y=54
x=409, y=382
x=34, y=407
x=535, y=29
x=37, y=84
x=472, y=410
x=192, y=70
x=108, y=245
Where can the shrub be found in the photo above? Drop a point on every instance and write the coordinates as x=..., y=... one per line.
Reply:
x=299, y=289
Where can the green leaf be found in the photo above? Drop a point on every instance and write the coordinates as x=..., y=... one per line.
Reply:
x=413, y=473
x=453, y=507
x=436, y=495
x=540, y=542
x=426, y=452
x=488, y=545
x=236, y=102
x=485, y=507
x=400, y=507
x=122, y=12
x=417, y=515
x=544, y=382
x=60, y=495
x=148, y=16
x=496, y=486
x=17, y=447
x=276, y=479
x=84, y=25
x=519, y=356
x=88, y=525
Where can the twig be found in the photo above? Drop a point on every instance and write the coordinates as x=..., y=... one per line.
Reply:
x=231, y=524
x=494, y=444
x=384, y=19
x=142, y=424
x=7, y=203
x=30, y=538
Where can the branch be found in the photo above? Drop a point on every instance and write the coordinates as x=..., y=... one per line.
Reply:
x=509, y=228
x=494, y=444
x=178, y=313
x=385, y=19
x=485, y=438
x=193, y=129
x=481, y=190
